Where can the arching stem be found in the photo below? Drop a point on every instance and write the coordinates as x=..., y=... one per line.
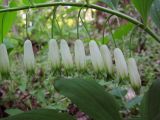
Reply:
x=93, y=6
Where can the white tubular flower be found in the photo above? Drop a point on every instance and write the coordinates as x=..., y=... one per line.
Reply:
x=96, y=57
x=29, y=60
x=4, y=60
x=80, y=57
x=134, y=74
x=107, y=58
x=67, y=60
x=54, y=54
x=121, y=66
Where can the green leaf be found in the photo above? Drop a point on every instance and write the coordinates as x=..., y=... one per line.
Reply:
x=157, y=117
x=122, y=31
x=10, y=43
x=13, y=3
x=40, y=1
x=30, y=2
x=6, y=21
x=118, y=92
x=27, y=2
x=118, y=33
x=90, y=97
x=135, y=101
x=143, y=6
x=151, y=103
x=138, y=118
x=13, y=111
x=115, y=3
x=16, y=3
x=155, y=12
x=108, y=2
x=41, y=114
x=111, y=3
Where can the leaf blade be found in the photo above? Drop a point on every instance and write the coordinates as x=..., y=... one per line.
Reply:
x=150, y=105
x=6, y=21
x=90, y=97
x=143, y=7
x=155, y=12
x=41, y=114
x=111, y=3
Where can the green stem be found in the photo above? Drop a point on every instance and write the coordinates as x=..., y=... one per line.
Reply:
x=27, y=17
x=60, y=29
x=130, y=40
x=85, y=27
x=110, y=29
x=79, y=13
x=93, y=6
x=31, y=3
x=53, y=19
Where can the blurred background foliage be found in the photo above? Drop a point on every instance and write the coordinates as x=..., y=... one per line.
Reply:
x=40, y=28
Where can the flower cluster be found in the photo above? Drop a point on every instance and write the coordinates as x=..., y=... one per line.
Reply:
x=61, y=56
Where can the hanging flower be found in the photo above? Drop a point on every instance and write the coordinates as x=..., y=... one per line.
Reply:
x=4, y=60
x=67, y=60
x=29, y=60
x=134, y=74
x=54, y=54
x=121, y=66
x=107, y=58
x=96, y=56
x=80, y=57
